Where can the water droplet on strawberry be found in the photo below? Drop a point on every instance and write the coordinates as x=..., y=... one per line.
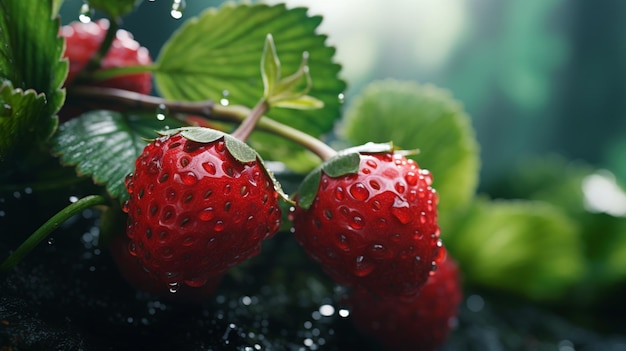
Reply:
x=400, y=187
x=357, y=221
x=207, y=214
x=362, y=266
x=423, y=218
x=343, y=243
x=209, y=167
x=359, y=192
x=379, y=251
x=188, y=178
x=401, y=210
x=411, y=178
x=339, y=194
x=428, y=177
x=219, y=226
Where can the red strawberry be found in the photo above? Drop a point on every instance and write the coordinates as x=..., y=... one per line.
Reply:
x=421, y=324
x=83, y=41
x=374, y=227
x=135, y=275
x=200, y=203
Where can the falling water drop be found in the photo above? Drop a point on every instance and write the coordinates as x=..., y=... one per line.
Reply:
x=86, y=13
x=341, y=97
x=161, y=112
x=178, y=6
x=50, y=241
x=173, y=287
x=224, y=101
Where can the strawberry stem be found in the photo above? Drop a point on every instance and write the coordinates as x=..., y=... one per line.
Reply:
x=208, y=109
x=94, y=61
x=249, y=123
x=51, y=224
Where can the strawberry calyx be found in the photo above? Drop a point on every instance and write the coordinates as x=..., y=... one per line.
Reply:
x=344, y=162
x=241, y=151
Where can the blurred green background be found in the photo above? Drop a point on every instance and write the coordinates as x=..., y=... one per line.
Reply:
x=536, y=76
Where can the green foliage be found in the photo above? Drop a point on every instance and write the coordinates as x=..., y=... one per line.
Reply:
x=421, y=117
x=522, y=247
x=219, y=51
x=115, y=8
x=104, y=145
x=31, y=71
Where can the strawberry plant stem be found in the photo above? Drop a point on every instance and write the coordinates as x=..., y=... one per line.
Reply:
x=94, y=61
x=249, y=123
x=208, y=109
x=51, y=224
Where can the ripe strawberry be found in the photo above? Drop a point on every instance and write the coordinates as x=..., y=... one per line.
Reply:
x=132, y=271
x=374, y=227
x=200, y=202
x=83, y=41
x=421, y=324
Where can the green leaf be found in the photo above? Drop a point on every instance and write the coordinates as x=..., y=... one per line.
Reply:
x=115, y=8
x=105, y=144
x=530, y=248
x=30, y=59
x=422, y=117
x=220, y=51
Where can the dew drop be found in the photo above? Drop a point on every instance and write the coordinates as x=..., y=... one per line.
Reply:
x=343, y=243
x=357, y=221
x=378, y=251
x=359, y=192
x=188, y=178
x=341, y=97
x=178, y=6
x=173, y=287
x=6, y=110
x=86, y=13
x=411, y=178
x=339, y=194
x=219, y=226
x=362, y=266
x=50, y=241
x=209, y=167
x=400, y=187
x=401, y=211
x=207, y=214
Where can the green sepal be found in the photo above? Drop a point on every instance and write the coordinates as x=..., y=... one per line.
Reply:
x=270, y=67
x=241, y=151
x=344, y=162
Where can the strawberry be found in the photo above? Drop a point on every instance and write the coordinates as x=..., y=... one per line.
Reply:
x=84, y=39
x=133, y=272
x=374, y=226
x=200, y=202
x=421, y=324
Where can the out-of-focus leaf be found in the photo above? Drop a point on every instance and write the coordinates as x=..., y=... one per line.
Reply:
x=104, y=145
x=220, y=52
x=30, y=65
x=115, y=8
x=524, y=247
x=427, y=118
